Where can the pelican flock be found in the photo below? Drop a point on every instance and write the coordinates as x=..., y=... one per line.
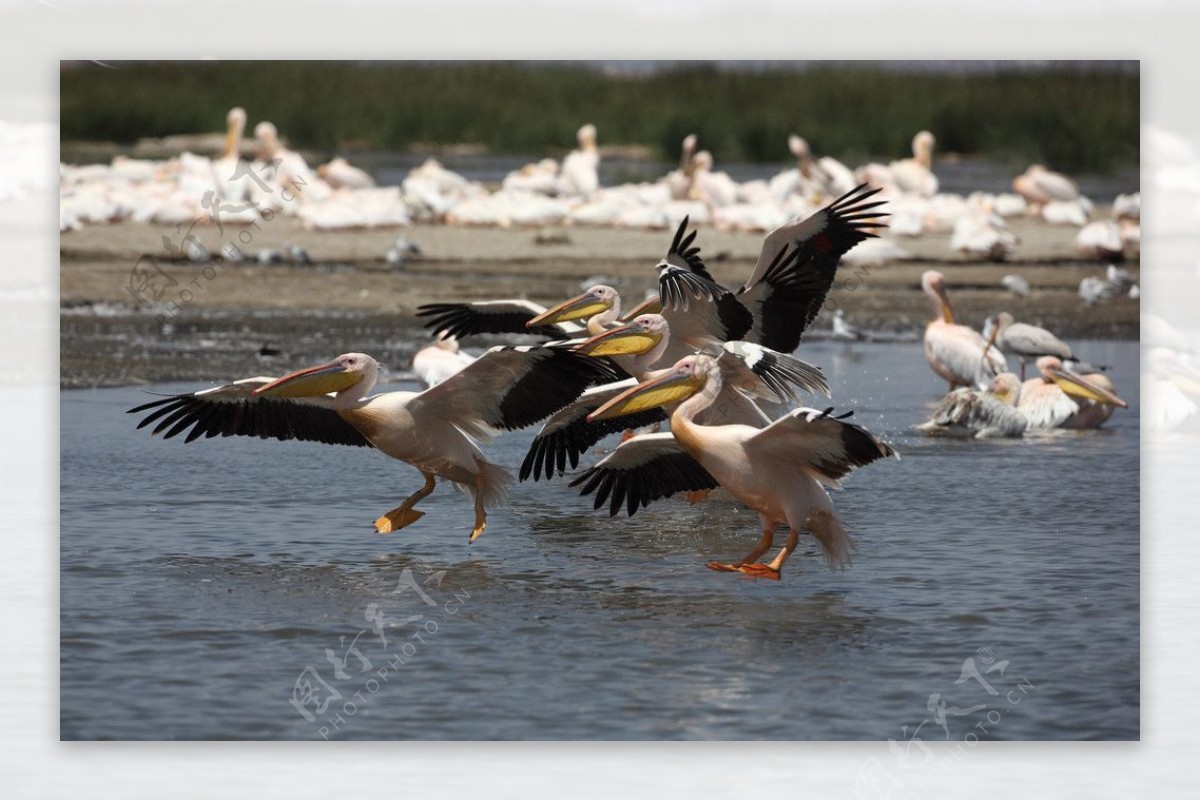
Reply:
x=702, y=382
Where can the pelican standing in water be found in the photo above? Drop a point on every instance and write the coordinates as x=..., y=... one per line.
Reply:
x=955, y=352
x=780, y=471
x=506, y=388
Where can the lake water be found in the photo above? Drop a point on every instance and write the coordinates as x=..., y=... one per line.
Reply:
x=995, y=591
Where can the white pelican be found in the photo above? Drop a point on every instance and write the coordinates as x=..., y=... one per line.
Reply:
x=341, y=174
x=780, y=471
x=1026, y=342
x=225, y=167
x=981, y=414
x=1100, y=240
x=579, y=176
x=439, y=360
x=915, y=175
x=984, y=235
x=506, y=388
x=749, y=371
x=679, y=181
x=1049, y=400
x=1040, y=186
x=716, y=189
x=955, y=352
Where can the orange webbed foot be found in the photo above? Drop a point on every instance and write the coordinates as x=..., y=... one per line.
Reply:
x=396, y=520
x=759, y=570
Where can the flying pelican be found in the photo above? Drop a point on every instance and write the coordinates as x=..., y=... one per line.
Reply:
x=1049, y=400
x=1026, y=342
x=749, y=371
x=506, y=388
x=780, y=471
x=955, y=352
x=980, y=414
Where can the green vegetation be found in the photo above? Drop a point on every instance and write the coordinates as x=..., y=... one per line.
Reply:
x=1070, y=118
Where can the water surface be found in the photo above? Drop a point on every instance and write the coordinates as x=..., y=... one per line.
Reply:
x=200, y=583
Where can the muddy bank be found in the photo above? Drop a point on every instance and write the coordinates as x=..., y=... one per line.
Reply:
x=349, y=298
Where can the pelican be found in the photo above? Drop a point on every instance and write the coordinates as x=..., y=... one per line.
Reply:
x=506, y=388
x=967, y=412
x=229, y=184
x=579, y=176
x=341, y=174
x=679, y=181
x=955, y=352
x=1100, y=240
x=779, y=471
x=439, y=360
x=749, y=371
x=915, y=175
x=1049, y=400
x=1093, y=412
x=1040, y=186
x=1026, y=342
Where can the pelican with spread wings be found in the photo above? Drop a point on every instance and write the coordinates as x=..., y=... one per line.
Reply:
x=781, y=471
x=435, y=431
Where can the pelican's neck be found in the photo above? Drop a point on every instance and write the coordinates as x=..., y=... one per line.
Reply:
x=940, y=305
x=354, y=395
x=599, y=323
x=233, y=138
x=683, y=424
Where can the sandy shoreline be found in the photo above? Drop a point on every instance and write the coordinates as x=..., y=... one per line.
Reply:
x=351, y=299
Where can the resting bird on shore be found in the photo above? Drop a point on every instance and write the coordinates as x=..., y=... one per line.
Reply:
x=506, y=388
x=1040, y=186
x=780, y=471
x=955, y=352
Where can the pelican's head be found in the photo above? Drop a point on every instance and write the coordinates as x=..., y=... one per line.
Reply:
x=236, y=117
x=586, y=136
x=267, y=136
x=350, y=371
x=703, y=161
x=641, y=335
x=688, y=376
x=934, y=285
x=1052, y=370
x=922, y=145
x=595, y=300
x=1006, y=387
x=689, y=143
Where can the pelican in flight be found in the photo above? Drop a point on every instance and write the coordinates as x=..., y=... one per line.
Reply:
x=505, y=389
x=1026, y=342
x=749, y=372
x=1050, y=400
x=780, y=471
x=956, y=352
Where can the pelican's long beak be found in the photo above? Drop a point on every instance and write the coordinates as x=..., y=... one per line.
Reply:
x=651, y=305
x=656, y=392
x=632, y=339
x=577, y=308
x=319, y=380
x=992, y=337
x=1080, y=387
